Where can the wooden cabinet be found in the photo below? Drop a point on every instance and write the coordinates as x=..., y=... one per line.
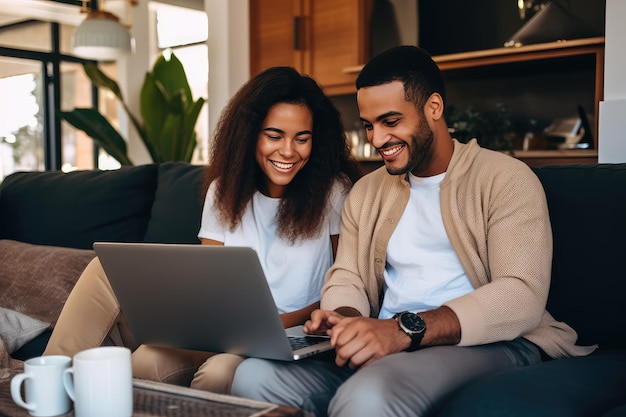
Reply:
x=317, y=37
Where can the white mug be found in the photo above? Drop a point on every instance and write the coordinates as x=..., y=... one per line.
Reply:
x=43, y=386
x=100, y=382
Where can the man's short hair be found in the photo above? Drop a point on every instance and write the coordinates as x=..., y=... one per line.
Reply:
x=411, y=65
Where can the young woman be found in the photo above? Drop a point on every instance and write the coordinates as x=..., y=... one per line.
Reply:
x=277, y=176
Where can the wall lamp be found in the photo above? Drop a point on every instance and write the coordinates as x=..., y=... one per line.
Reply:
x=101, y=36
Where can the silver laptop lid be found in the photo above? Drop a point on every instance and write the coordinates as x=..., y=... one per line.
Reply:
x=199, y=297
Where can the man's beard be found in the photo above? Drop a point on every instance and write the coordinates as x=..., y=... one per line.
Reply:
x=419, y=148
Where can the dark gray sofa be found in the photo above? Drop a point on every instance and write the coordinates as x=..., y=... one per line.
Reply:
x=49, y=220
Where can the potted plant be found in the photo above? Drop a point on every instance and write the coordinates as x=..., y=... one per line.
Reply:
x=492, y=129
x=168, y=114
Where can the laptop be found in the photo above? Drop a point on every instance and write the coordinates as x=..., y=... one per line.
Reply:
x=201, y=297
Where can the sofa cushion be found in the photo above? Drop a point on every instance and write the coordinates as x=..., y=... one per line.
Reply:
x=36, y=280
x=587, y=206
x=17, y=329
x=78, y=208
x=177, y=205
x=582, y=386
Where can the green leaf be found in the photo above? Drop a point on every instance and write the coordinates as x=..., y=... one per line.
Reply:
x=154, y=107
x=171, y=74
x=189, y=124
x=100, y=79
x=98, y=127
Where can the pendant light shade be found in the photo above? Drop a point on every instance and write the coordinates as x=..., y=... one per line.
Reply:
x=102, y=37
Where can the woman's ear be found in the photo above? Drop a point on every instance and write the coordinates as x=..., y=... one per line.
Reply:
x=434, y=106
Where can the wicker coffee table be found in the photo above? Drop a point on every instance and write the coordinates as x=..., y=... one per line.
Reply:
x=153, y=399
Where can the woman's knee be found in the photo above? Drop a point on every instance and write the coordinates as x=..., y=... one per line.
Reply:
x=172, y=366
x=216, y=373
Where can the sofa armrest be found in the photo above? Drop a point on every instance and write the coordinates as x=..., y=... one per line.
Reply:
x=36, y=280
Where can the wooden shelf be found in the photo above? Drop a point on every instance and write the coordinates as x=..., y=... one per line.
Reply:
x=512, y=54
x=557, y=157
x=565, y=153
x=522, y=53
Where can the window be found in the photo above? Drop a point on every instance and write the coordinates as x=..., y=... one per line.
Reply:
x=41, y=79
x=36, y=66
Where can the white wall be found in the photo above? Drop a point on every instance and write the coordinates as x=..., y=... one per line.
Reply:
x=229, y=52
x=131, y=72
x=612, y=117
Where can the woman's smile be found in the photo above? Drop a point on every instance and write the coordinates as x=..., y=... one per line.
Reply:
x=284, y=145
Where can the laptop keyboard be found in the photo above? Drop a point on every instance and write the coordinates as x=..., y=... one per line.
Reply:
x=297, y=342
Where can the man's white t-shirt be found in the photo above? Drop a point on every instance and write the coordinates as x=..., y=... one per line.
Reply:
x=422, y=270
x=295, y=272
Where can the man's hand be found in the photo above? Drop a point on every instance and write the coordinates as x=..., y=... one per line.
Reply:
x=360, y=341
x=319, y=322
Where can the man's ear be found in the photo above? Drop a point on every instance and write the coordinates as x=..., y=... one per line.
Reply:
x=434, y=106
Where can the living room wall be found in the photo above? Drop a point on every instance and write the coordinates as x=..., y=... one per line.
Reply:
x=612, y=146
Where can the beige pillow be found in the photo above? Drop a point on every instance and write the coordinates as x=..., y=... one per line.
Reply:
x=17, y=329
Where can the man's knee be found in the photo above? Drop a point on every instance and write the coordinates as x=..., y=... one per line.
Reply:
x=365, y=393
x=251, y=375
x=383, y=389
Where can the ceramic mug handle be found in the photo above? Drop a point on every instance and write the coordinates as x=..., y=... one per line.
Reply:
x=68, y=382
x=16, y=384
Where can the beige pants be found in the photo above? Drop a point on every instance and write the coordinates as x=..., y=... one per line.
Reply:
x=91, y=317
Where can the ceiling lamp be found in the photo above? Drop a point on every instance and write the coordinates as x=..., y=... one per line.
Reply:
x=101, y=36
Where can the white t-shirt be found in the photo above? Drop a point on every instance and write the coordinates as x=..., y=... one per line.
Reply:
x=295, y=272
x=422, y=270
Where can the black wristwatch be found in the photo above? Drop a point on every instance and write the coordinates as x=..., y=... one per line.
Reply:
x=413, y=325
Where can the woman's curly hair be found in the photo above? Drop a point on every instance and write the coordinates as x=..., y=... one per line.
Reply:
x=236, y=173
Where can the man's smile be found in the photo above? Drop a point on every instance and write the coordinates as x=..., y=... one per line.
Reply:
x=389, y=152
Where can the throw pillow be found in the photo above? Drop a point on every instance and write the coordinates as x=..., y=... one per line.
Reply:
x=17, y=329
x=36, y=279
x=178, y=202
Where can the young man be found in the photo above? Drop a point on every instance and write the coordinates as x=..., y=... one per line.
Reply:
x=443, y=267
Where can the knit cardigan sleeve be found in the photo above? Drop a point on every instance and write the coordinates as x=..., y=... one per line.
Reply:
x=496, y=217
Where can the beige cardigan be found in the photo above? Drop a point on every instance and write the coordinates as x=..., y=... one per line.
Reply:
x=495, y=213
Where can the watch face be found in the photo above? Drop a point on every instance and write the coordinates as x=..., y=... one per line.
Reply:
x=412, y=322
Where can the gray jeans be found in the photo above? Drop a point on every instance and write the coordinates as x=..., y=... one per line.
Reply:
x=404, y=384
